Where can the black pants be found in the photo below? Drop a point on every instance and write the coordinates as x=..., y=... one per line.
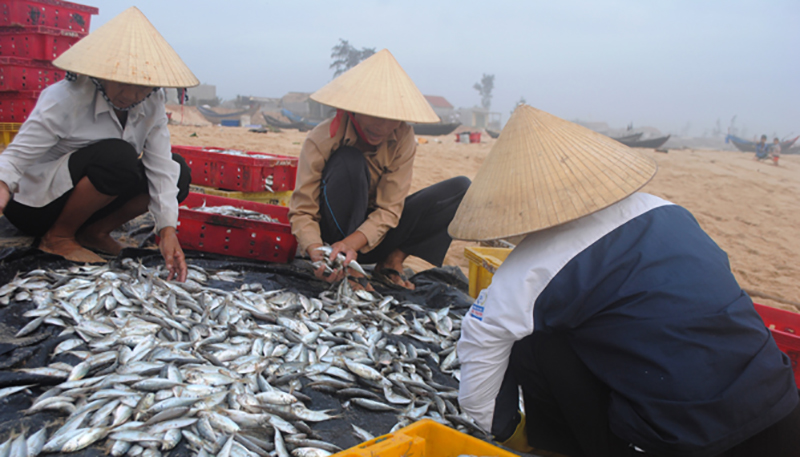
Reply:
x=422, y=229
x=567, y=406
x=113, y=167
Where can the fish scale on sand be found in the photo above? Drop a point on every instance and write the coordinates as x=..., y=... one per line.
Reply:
x=165, y=362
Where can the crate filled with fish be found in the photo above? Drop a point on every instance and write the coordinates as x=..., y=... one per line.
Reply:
x=238, y=228
x=116, y=360
x=242, y=171
x=270, y=198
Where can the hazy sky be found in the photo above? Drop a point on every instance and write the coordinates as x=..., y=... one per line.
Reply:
x=663, y=63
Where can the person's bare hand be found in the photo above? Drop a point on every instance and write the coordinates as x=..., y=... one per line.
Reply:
x=315, y=254
x=173, y=254
x=319, y=256
x=5, y=196
x=350, y=254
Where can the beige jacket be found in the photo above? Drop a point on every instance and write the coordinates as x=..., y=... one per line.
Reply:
x=390, y=169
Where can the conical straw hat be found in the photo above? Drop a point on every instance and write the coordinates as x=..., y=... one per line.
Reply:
x=379, y=87
x=128, y=49
x=545, y=171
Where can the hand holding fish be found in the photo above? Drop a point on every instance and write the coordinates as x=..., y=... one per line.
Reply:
x=332, y=261
x=342, y=248
x=320, y=261
x=171, y=250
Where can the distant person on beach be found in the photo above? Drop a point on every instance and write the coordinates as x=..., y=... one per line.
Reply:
x=95, y=151
x=617, y=317
x=775, y=151
x=762, y=148
x=354, y=175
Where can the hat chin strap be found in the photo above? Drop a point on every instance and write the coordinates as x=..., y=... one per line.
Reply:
x=337, y=121
x=102, y=90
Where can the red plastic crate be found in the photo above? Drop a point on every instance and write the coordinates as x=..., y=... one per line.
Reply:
x=210, y=168
x=234, y=236
x=49, y=13
x=785, y=328
x=26, y=74
x=16, y=106
x=40, y=43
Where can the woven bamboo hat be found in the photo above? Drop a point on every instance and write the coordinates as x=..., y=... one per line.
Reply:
x=545, y=171
x=378, y=87
x=128, y=49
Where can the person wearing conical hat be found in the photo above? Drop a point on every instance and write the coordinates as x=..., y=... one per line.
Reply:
x=354, y=175
x=617, y=316
x=95, y=151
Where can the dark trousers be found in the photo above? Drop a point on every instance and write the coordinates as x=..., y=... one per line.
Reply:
x=567, y=406
x=113, y=167
x=422, y=229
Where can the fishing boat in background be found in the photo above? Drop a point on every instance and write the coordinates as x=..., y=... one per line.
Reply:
x=274, y=122
x=296, y=118
x=492, y=133
x=434, y=129
x=750, y=146
x=629, y=138
x=215, y=117
x=653, y=143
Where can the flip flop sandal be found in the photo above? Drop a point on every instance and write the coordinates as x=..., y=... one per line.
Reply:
x=361, y=281
x=383, y=276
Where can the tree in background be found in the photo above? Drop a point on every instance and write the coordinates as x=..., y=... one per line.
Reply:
x=345, y=56
x=484, y=88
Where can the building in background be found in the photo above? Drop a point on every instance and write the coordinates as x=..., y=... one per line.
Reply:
x=204, y=94
x=300, y=104
x=480, y=118
x=441, y=107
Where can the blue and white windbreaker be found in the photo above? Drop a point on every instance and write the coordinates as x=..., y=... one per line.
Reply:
x=650, y=305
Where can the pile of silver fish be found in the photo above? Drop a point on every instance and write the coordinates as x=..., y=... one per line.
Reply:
x=232, y=211
x=222, y=370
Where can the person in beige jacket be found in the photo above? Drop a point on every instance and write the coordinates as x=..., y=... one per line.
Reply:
x=355, y=173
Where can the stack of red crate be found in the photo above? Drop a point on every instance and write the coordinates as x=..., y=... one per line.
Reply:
x=32, y=34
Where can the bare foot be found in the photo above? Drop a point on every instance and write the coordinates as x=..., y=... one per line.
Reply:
x=355, y=284
x=392, y=269
x=69, y=249
x=395, y=275
x=102, y=242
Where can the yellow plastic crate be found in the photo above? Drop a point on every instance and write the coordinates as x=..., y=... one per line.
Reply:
x=270, y=198
x=425, y=438
x=483, y=262
x=9, y=130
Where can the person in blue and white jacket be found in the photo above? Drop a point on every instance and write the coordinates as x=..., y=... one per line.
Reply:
x=617, y=316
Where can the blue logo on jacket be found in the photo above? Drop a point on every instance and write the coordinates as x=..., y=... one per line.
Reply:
x=477, y=308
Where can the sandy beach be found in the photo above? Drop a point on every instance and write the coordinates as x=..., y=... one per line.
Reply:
x=749, y=208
